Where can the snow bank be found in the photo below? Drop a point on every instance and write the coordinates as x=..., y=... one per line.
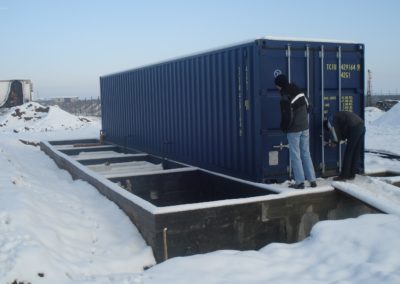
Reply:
x=390, y=118
x=35, y=122
x=383, y=130
x=62, y=229
x=376, y=164
x=356, y=251
x=379, y=194
x=33, y=117
x=372, y=113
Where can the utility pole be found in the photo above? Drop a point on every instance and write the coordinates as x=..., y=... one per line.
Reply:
x=369, y=88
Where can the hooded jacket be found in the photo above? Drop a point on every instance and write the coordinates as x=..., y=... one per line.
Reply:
x=343, y=122
x=294, y=109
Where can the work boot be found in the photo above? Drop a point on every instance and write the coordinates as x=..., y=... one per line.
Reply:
x=313, y=183
x=339, y=178
x=297, y=186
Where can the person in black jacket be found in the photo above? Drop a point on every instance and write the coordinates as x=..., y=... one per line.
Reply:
x=294, y=122
x=347, y=125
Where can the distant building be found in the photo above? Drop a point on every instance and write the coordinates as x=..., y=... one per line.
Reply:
x=75, y=105
x=15, y=92
x=58, y=100
x=66, y=100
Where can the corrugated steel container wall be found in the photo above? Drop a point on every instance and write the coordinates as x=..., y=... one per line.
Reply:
x=220, y=110
x=192, y=110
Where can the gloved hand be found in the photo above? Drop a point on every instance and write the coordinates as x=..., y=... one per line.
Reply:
x=326, y=125
x=331, y=144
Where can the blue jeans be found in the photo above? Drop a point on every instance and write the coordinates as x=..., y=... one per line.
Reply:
x=299, y=150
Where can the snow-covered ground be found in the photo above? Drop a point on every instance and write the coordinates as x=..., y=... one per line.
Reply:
x=383, y=129
x=57, y=230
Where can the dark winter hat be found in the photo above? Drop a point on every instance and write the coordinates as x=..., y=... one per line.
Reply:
x=281, y=81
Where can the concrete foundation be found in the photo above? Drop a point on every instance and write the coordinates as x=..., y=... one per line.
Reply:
x=181, y=210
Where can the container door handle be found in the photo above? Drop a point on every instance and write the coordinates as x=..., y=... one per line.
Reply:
x=281, y=146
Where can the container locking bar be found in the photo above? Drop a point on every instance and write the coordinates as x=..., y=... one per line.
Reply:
x=288, y=53
x=308, y=70
x=322, y=112
x=281, y=146
x=340, y=99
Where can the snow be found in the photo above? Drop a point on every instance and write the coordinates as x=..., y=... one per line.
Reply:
x=57, y=230
x=371, y=114
x=390, y=118
x=381, y=195
x=383, y=129
x=34, y=117
x=99, y=154
x=125, y=168
x=336, y=252
x=53, y=225
x=55, y=124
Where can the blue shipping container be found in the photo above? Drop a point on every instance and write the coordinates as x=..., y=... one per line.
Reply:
x=219, y=110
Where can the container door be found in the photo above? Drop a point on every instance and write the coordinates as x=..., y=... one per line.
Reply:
x=338, y=85
x=275, y=61
x=331, y=77
x=326, y=101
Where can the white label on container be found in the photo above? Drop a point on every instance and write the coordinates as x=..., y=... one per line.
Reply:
x=273, y=158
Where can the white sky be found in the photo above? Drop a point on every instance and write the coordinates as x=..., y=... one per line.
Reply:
x=57, y=230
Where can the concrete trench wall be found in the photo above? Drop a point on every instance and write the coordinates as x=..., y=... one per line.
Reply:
x=182, y=231
x=253, y=225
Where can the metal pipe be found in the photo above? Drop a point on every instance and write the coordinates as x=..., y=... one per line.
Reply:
x=322, y=112
x=288, y=56
x=340, y=100
x=308, y=70
x=289, y=78
x=308, y=79
x=165, y=243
